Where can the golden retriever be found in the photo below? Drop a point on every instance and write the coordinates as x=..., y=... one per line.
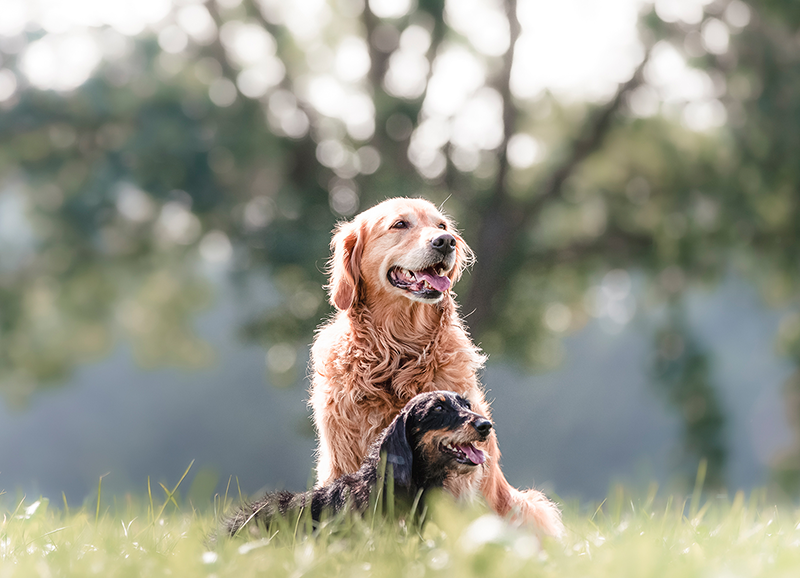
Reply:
x=397, y=333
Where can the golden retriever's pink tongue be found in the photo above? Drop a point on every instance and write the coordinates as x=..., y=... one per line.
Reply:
x=440, y=283
x=474, y=454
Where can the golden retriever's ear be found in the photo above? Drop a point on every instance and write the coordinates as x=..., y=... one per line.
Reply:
x=464, y=258
x=345, y=265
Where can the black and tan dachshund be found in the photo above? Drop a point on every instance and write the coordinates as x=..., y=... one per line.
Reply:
x=430, y=444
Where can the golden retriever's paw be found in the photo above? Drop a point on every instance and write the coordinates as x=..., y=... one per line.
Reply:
x=532, y=508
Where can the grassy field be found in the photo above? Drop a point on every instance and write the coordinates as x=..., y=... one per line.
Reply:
x=641, y=536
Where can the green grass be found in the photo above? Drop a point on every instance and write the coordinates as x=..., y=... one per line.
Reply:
x=624, y=536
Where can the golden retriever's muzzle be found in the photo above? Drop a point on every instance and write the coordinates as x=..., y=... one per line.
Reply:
x=427, y=280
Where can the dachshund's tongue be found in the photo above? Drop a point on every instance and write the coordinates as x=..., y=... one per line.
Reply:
x=440, y=283
x=475, y=455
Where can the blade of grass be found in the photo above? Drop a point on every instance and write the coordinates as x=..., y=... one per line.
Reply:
x=414, y=507
x=379, y=488
x=666, y=515
x=169, y=497
x=19, y=505
x=170, y=494
x=99, y=493
x=652, y=491
x=249, y=518
x=297, y=525
x=150, y=497
x=694, y=505
x=597, y=511
x=701, y=513
x=390, y=492
x=616, y=505
x=28, y=543
x=223, y=500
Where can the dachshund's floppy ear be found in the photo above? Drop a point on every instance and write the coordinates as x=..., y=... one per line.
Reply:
x=345, y=265
x=397, y=450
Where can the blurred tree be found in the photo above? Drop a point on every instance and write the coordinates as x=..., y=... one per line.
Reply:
x=681, y=373
x=786, y=467
x=239, y=132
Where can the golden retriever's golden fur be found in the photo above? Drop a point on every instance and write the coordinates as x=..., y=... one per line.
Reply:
x=397, y=333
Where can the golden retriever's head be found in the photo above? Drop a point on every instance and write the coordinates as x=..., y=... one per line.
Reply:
x=401, y=248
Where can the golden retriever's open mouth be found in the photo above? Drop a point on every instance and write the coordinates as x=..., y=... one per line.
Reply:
x=466, y=454
x=428, y=283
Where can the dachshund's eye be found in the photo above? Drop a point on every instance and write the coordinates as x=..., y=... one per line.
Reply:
x=401, y=224
x=442, y=225
x=438, y=407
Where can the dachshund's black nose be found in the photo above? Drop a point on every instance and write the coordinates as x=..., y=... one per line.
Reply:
x=483, y=426
x=445, y=243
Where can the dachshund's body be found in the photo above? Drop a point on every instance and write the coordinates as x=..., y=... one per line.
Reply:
x=430, y=444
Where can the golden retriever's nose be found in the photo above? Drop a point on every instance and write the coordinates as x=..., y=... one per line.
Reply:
x=445, y=243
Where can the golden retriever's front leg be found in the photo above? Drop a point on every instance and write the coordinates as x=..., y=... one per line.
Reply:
x=345, y=432
x=530, y=507
x=338, y=452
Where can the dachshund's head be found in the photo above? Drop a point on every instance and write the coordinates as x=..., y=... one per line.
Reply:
x=435, y=438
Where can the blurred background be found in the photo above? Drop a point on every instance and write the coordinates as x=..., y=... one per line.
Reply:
x=627, y=172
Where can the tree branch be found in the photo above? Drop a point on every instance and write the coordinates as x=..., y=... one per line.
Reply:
x=510, y=112
x=504, y=222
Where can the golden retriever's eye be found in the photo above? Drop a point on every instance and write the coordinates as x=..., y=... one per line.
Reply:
x=401, y=224
x=442, y=226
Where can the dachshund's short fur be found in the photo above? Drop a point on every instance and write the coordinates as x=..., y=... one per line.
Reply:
x=428, y=445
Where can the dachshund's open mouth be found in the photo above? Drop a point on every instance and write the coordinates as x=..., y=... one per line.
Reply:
x=464, y=453
x=428, y=283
